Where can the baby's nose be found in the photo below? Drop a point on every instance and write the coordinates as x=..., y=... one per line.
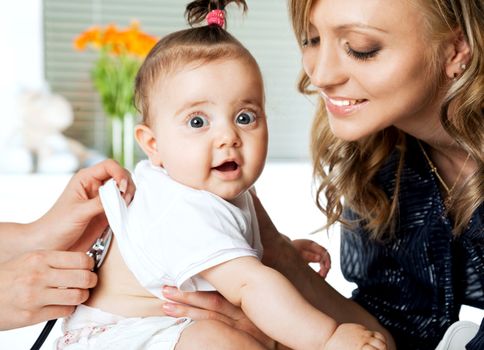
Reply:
x=228, y=137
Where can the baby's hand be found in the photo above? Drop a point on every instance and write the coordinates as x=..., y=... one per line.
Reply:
x=313, y=252
x=355, y=336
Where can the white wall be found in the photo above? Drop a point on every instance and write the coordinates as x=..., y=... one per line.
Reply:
x=21, y=63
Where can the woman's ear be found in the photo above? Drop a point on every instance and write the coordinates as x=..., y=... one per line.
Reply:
x=147, y=141
x=457, y=55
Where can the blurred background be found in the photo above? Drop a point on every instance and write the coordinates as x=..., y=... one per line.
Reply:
x=53, y=118
x=53, y=121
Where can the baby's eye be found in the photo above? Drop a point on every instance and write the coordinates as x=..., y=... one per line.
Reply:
x=197, y=121
x=245, y=118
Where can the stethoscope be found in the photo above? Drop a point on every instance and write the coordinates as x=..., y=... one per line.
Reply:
x=98, y=252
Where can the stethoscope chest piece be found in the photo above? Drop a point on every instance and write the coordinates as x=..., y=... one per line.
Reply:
x=100, y=248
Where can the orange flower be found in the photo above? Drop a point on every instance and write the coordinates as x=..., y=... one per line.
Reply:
x=128, y=41
x=90, y=36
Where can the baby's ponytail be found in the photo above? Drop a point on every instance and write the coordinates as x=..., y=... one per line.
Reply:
x=196, y=11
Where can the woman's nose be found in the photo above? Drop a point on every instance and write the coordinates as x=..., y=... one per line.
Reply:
x=322, y=65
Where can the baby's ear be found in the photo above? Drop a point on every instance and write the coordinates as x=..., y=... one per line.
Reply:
x=147, y=141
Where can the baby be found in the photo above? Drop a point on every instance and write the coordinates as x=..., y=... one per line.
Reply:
x=192, y=223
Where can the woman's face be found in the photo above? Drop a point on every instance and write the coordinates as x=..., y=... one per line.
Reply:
x=367, y=58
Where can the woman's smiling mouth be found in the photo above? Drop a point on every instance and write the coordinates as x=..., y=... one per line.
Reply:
x=343, y=106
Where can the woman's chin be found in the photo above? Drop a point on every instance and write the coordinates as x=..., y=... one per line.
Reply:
x=348, y=134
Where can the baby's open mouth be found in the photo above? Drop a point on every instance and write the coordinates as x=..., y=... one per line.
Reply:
x=227, y=166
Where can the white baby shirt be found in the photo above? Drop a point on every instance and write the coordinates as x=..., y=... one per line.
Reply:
x=171, y=232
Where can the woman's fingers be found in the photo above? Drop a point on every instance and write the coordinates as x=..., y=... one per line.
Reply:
x=83, y=279
x=111, y=169
x=210, y=306
x=44, y=272
x=86, y=182
x=182, y=310
x=64, y=296
x=43, y=285
x=208, y=301
x=28, y=317
x=64, y=260
x=93, y=231
x=197, y=305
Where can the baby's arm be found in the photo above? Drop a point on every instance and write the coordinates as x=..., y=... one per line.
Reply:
x=271, y=302
x=274, y=304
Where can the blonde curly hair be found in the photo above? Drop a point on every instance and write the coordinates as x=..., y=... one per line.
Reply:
x=347, y=170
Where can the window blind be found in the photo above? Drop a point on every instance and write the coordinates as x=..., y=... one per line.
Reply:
x=264, y=30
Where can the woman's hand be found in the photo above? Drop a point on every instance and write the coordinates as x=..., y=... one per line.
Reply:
x=39, y=278
x=211, y=306
x=33, y=286
x=77, y=218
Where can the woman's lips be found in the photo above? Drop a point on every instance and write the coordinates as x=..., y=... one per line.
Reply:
x=343, y=106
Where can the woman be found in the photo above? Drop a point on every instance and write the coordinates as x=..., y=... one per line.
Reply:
x=398, y=134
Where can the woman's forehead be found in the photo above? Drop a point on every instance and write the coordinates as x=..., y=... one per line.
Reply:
x=382, y=15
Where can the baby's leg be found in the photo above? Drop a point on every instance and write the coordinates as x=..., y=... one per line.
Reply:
x=215, y=335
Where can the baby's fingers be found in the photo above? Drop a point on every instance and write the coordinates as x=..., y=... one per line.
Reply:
x=325, y=264
x=309, y=256
x=377, y=342
x=315, y=247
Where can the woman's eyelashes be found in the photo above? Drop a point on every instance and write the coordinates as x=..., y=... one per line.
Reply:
x=361, y=55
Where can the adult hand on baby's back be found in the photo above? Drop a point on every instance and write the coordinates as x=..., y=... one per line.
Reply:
x=211, y=306
x=39, y=278
x=77, y=218
x=33, y=287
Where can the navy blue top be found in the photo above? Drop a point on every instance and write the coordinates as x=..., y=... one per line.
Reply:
x=416, y=283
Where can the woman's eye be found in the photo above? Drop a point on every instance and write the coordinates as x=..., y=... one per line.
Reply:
x=361, y=55
x=197, y=122
x=245, y=118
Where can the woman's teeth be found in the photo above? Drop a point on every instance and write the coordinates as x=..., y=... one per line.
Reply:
x=342, y=103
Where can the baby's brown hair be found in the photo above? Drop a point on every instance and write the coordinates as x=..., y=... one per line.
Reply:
x=200, y=44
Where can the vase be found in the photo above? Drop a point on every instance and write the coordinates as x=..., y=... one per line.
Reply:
x=122, y=129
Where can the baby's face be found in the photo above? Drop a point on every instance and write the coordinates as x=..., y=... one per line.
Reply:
x=210, y=126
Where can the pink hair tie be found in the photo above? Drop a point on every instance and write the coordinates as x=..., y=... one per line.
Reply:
x=216, y=17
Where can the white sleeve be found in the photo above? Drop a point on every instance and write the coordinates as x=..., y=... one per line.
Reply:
x=199, y=233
